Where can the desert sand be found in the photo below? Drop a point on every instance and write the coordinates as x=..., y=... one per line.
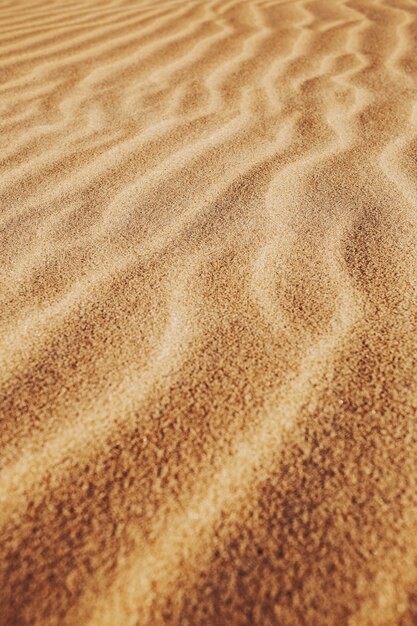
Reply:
x=208, y=312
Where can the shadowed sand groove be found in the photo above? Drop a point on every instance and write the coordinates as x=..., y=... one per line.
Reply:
x=208, y=313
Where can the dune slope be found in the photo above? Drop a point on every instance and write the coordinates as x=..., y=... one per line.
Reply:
x=208, y=312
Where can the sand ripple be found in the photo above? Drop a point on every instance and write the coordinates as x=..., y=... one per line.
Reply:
x=208, y=312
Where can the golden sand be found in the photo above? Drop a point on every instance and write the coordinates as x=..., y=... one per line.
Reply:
x=208, y=312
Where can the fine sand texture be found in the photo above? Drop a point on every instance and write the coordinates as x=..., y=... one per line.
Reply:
x=208, y=313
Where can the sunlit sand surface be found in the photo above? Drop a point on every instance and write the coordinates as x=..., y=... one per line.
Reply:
x=208, y=313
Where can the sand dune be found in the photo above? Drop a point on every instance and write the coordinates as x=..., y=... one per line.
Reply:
x=208, y=312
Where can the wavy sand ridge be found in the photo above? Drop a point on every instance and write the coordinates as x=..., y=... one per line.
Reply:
x=208, y=312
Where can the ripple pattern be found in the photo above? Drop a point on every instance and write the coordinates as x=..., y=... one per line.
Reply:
x=208, y=313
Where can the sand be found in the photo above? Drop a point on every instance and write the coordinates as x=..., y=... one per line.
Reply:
x=208, y=312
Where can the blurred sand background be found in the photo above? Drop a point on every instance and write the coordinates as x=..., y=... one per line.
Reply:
x=208, y=270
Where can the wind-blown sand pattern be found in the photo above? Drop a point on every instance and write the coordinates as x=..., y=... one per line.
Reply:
x=208, y=312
